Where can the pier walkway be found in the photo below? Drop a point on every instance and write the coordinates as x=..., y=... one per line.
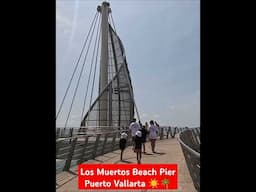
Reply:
x=168, y=151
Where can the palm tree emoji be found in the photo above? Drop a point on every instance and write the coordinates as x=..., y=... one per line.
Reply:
x=165, y=182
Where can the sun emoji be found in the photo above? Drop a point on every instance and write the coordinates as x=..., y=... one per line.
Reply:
x=153, y=183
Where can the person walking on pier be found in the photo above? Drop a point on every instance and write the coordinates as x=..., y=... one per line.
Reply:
x=146, y=125
x=140, y=123
x=144, y=132
x=153, y=132
x=122, y=144
x=138, y=144
x=134, y=127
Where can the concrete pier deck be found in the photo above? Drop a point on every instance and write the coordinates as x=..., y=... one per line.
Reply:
x=168, y=151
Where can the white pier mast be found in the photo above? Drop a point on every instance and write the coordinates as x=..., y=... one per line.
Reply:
x=103, y=79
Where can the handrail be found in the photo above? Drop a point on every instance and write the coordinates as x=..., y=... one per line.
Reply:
x=81, y=136
x=189, y=140
x=189, y=149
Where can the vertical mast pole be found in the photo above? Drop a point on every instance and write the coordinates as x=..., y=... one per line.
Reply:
x=103, y=104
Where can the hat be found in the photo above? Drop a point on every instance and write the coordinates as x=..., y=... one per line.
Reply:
x=124, y=136
x=138, y=133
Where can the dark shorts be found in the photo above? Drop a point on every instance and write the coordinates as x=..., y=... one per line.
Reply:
x=133, y=139
x=138, y=146
x=122, y=144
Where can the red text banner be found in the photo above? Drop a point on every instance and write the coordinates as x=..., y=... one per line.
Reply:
x=127, y=176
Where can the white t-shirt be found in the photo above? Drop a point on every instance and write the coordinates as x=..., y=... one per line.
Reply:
x=153, y=131
x=134, y=127
x=124, y=136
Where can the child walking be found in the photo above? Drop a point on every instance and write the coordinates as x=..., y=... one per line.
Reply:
x=138, y=144
x=122, y=144
x=144, y=132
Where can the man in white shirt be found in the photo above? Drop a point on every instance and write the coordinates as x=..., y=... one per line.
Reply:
x=153, y=133
x=134, y=127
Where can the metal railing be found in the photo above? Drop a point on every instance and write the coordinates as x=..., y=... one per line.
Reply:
x=80, y=148
x=75, y=131
x=189, y=140
x=77, y=145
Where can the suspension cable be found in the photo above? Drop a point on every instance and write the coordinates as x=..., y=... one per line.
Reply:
x=92, y=61
x=78, y=82
x=62, y=102
x=113, y=21
x=95, y=68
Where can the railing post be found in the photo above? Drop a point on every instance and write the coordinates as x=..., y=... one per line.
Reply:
x=197, y=133
x=81, y=158
x=64, y=132
x=61, y=132
x=96, y=145
x=168, y=132
x=161, y=133
x=58, y=143
x=113, y=141
x=71, y=132
x=57, y=133
x=104, y=143
x=174, y=132
x=70, y=155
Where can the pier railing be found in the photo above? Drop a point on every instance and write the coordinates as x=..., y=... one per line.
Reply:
x=189, y=140
x=77, y=131
x=79, y=148
x=76, y=145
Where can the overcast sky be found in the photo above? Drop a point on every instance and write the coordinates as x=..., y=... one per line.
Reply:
x=162, y=44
